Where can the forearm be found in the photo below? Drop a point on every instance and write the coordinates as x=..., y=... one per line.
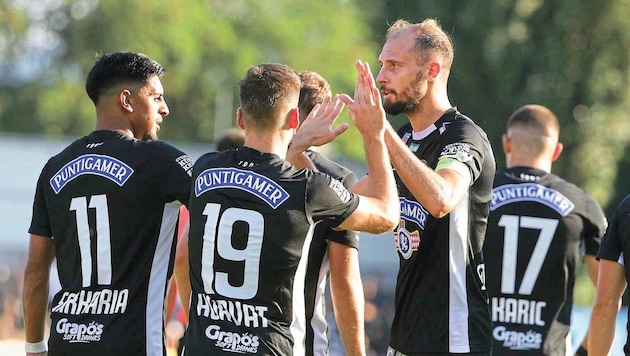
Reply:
x=35, y=299
x=602, y=329
x=348, y=303
x=380, y=179
x=435, y=193
x=36, y=287
x=182, y=277
x=301, y=160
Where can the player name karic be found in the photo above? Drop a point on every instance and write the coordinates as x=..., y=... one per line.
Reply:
x=232, y=311
x=518, y=311
x=106, y=301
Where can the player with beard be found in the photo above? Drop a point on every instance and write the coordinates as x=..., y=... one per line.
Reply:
x=106, y=208
x=444, y=168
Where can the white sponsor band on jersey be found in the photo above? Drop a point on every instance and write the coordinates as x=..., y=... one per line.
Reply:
x=106, y=301
x=263, y=187
x=512, y=193
x=518, y=311
x=108, y=167
x=233, y=342
x=233, y=311
x=414, y=212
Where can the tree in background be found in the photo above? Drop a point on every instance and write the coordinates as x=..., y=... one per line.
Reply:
x=572, y=59
x=204, y=45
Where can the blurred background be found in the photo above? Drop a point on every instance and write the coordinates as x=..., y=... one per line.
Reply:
x=569, y=55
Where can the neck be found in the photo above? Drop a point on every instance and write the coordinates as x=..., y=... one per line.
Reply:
x=429, y=111
x=276, y=142
x=540, y=163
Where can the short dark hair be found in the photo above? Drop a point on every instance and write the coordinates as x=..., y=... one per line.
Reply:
x=312, y=91
x=536, y=117
x=232, y=138
x=266, y=92
x=120, y=67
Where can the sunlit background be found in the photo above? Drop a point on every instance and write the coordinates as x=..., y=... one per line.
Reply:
x=572, y=57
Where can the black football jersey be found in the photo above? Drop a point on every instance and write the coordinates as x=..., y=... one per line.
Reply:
x=252, y=217
x=615, y=246
x=318, y=267
x=110, y=203
x=441, y=302
x=539, y=227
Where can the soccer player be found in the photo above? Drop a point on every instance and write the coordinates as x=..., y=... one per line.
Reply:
x=444, y=169
x=106, y=208
x=252, y=216
x=540, y=226
x=333, y=253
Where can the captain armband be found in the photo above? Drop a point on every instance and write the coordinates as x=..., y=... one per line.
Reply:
x=454, y=165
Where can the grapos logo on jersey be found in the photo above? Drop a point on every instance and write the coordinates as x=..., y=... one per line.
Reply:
x=406, y=242
x=517, y=340
x=233, y=342
x=460, y=151
x=76, y=332
x=107, y=167
x=264, y=188
x=512, y=193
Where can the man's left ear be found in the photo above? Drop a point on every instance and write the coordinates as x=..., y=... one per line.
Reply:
x=557, y=151
x=294, y=118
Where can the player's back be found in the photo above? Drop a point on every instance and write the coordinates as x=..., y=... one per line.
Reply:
x=111, y=205
x=537, y=225
x=252, y=219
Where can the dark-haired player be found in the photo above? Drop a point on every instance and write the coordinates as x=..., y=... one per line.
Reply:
x=252, y=216
x=106, y=208
x=540, y=226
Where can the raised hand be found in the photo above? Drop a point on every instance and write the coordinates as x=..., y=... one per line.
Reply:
x=366, y=109
x=317, y=130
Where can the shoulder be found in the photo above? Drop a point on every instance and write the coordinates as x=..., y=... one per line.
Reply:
x=334, y=169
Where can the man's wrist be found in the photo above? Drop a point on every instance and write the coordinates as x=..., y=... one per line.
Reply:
x=35, y=347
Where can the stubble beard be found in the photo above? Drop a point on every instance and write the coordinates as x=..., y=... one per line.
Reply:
x=409, y=99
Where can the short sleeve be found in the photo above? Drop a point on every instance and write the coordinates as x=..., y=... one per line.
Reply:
x=328, y=200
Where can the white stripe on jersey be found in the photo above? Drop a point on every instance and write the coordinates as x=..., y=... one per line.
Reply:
x=319, y=323
x=458, y=341
x=158, y=279
x=298, y=322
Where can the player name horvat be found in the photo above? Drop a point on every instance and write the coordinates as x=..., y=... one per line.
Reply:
x=106, y=301
x=232, y=311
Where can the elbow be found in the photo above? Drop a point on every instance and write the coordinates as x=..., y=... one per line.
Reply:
x=439, y=209
x=388, y=222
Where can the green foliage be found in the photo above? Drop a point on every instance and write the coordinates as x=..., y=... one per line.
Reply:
x=206, y=47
